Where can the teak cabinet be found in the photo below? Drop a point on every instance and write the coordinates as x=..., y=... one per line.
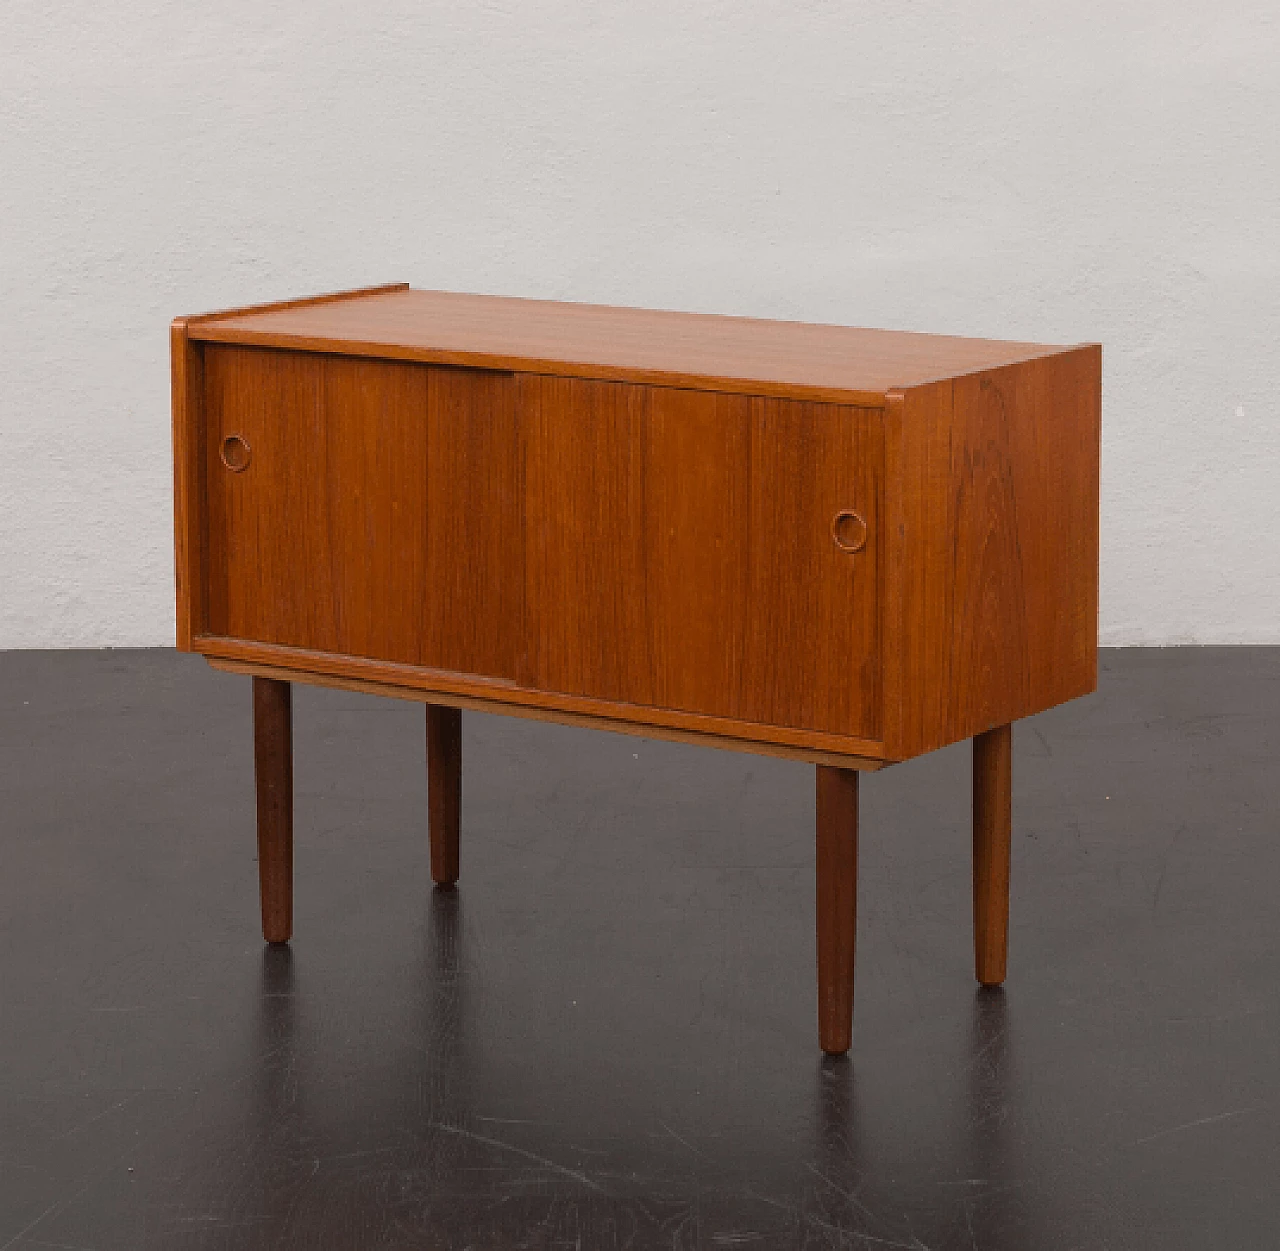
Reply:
x=843, y=546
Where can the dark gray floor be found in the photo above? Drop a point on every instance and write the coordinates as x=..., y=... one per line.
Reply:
x=607, y=1037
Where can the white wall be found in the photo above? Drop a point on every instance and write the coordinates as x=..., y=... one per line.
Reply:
x=1059, y=172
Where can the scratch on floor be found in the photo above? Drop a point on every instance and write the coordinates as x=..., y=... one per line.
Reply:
x=852, y=1196
x=98, y=1175
x=356, y=1155
x=51, y=1210
x=79, y=1125
x=809, y=1219
x=1177, y=1129
x=991, y=1190
x=506, y=1146
x=683, y=1142
x=982, y=1052
x=210, y=1221
x=1164, y=864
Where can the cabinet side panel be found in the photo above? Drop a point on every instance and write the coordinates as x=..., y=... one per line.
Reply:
x=189, y=521
x=992, y=595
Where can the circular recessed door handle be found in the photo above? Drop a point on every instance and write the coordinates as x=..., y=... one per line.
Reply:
x=849, y=531
x=235, y=453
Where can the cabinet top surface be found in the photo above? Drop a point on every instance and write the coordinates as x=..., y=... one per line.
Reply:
x=636, y=345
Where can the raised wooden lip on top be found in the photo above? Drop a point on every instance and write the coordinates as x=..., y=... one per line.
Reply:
x=703, y=351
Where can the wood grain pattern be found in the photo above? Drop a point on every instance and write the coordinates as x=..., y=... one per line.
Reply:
x=327, y=540
x=991, y=596
x=680, y=552
x=273, y=773
x=189, y=505
x=992, y=844
x=587, y=606
x=737, y=354
x=444, y=791
x=837, y=874
x=494, y=695
x=695, y=531
x=473, y=598
x=327, y=527
x=811, y=648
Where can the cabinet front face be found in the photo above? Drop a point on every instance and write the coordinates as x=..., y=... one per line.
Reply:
x=692, y=551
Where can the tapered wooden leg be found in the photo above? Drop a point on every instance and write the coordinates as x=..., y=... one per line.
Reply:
x=444, y=791
x=837, y=905
x=992, y=835
x=273, y=771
